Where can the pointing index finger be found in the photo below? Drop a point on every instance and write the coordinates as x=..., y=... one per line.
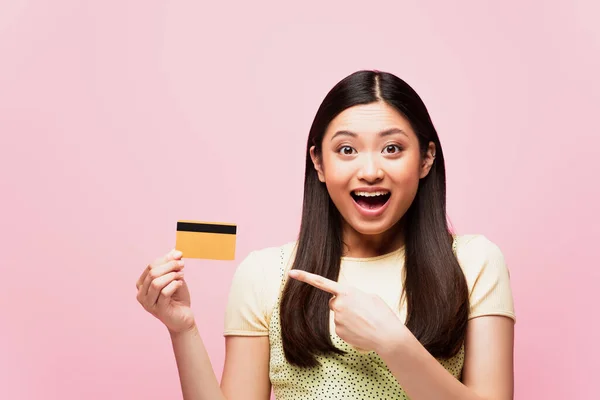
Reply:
x=317, y=281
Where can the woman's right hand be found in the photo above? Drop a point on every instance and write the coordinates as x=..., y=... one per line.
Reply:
x=162, y=291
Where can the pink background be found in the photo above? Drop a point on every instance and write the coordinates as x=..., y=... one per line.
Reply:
x=118, y=118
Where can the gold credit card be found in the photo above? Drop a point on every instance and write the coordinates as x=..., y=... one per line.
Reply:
x=206, y=240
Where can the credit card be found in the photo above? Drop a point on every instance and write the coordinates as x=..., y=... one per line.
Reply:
x=206, y=240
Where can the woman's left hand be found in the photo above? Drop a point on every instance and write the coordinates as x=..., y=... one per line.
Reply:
x=362, y=320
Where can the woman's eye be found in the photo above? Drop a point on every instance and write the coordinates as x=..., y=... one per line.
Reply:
x=392, y=148
x=346, y=150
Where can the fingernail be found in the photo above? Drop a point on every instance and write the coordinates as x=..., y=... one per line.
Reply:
x=180, y=263
x=177, y=253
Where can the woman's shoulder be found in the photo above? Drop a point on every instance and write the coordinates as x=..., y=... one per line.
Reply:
x=475, y=247
x=487, y=276
x=264, y=269
x=269, y=259
x=255, y=289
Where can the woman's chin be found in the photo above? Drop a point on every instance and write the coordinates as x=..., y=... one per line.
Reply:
x=373, y=228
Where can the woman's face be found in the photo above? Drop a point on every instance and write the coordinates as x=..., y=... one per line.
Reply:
x=371, y=164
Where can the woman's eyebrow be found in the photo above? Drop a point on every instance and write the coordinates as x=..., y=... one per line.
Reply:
x=387, y=132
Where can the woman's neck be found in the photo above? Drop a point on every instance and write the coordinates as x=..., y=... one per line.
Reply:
x=358, y=245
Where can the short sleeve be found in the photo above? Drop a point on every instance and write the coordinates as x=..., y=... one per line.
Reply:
x=245, y=314
x=487, y=276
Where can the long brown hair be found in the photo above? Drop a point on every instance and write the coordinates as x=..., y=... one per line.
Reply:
x=435, y=288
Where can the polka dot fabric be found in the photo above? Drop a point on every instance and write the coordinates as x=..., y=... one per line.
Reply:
x=353, y=375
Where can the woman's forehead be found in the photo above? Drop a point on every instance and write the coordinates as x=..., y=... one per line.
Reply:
x=368, y=119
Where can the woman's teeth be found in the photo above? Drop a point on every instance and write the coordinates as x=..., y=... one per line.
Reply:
x=371, y=200
x=370, y=194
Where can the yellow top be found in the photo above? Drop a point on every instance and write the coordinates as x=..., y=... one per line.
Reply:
x=252, y=310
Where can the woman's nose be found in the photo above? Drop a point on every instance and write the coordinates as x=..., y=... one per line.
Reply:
x=370, y=170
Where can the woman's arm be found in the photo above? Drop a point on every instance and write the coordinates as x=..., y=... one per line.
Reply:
x=246, y=372
x=487, y=371
x=198, y=380
x=366, y=322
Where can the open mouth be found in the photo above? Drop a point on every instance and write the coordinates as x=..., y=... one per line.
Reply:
x=371, y=200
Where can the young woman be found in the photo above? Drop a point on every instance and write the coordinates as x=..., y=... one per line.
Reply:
x=377, y=299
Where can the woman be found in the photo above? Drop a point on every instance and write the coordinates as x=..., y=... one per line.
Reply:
x=377, y=299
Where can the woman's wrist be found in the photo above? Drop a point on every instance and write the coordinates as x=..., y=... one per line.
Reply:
x=393, y=339
x=191, y=330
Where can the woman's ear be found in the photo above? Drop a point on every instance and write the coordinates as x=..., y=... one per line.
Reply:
x=428, y=160
x=317, y=164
